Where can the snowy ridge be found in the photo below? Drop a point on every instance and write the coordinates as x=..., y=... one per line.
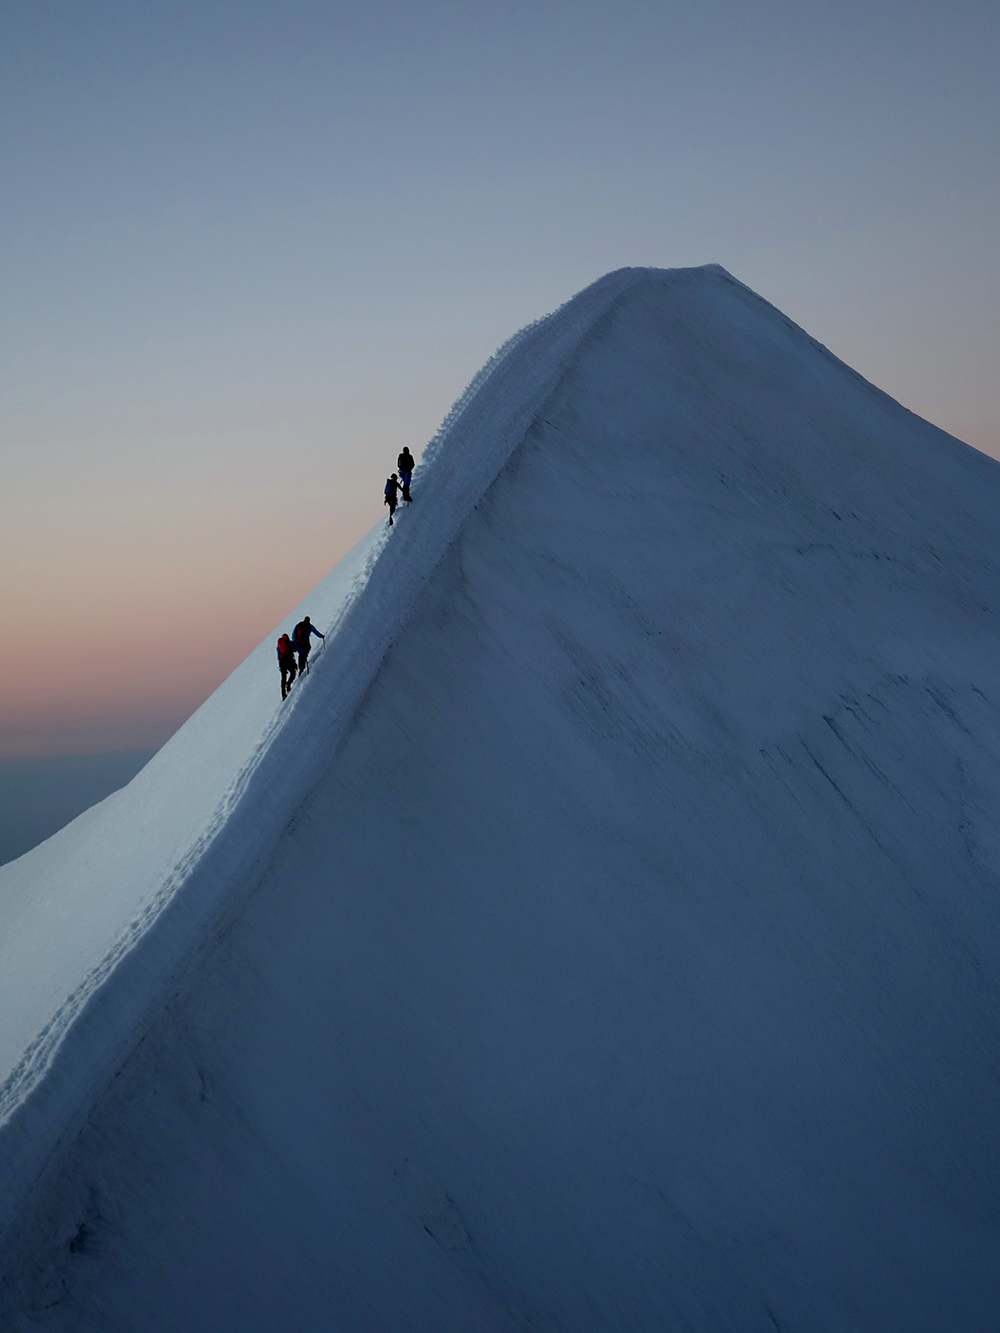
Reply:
x=83, y=1014
x=609, y=934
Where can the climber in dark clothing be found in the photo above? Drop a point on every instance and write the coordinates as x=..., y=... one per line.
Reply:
x=302, y=642
x=406, y=465
x=286, y=660
x=391, y=492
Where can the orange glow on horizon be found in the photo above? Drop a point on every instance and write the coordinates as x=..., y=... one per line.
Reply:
x=115, y=638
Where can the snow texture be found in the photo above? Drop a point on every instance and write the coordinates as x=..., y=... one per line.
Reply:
x=604, y=935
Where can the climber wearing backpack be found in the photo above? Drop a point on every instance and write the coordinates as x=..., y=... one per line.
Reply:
x=301, y=640
x=406, y=465
x=391, y=492
x=286, y=660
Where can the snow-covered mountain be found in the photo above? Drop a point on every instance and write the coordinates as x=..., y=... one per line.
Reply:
x=604, y=936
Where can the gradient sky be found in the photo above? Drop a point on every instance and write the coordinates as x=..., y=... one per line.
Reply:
x=249, y=250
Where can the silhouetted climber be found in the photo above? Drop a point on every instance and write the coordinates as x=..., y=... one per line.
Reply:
x=391, y=491
x=286, y=660
x=406, y=465
x=300, y=637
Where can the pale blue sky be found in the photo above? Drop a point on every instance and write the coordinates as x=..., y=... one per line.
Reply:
x=248, y=250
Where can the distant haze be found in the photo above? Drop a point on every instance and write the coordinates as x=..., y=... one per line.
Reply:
x=251, y=250
x=39, y=795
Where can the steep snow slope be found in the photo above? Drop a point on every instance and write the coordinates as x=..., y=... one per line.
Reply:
x=631, y=959
x=132, y=887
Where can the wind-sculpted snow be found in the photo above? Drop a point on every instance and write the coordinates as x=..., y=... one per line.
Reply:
x=606, y=934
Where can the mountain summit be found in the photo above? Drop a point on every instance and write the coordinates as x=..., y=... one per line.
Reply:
x=603, y=936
